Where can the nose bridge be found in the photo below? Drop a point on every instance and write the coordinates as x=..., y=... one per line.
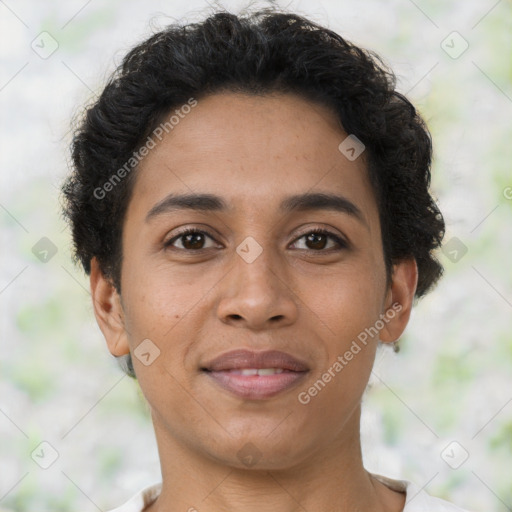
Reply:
x=256, y=267
x=255, y=264
x=255, y=293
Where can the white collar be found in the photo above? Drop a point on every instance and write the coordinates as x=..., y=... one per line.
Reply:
x=417, y=500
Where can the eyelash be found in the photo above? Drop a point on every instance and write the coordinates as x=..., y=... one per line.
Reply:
x=341, y=243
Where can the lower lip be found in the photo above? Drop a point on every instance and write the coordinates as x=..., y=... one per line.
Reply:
x=256, y=387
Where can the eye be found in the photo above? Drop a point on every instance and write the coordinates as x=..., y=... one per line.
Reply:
x=191, y=240
x=317, y=240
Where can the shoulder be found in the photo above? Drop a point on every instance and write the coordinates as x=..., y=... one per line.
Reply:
x=141, y=500
x=417, y=500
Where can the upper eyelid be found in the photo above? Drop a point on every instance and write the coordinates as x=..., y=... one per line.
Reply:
x=186, y=231
x=325, y=231
x=344, y=241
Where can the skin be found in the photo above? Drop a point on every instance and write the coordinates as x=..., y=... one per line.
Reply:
x=310, y=299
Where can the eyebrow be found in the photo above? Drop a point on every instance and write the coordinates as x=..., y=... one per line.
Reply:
x=296, y=203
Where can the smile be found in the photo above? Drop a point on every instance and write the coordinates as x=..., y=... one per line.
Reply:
x=256, y=383
x=255, y=375
x=257, y=371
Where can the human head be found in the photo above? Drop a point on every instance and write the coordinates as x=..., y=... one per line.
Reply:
x=258, y=54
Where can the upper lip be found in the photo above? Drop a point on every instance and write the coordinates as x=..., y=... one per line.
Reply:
x=242, y=358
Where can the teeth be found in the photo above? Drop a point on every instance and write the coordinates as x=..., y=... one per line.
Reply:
x=269, y=371
x=249, y=371
x=261, y=371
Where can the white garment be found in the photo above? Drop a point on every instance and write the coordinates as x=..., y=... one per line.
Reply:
x=417, y=500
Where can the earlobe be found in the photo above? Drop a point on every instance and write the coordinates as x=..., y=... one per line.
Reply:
x=399, y=300
x=108, y=311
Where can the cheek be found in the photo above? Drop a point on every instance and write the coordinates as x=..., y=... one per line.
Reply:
x=347, y=319
x=168, y=307
x=351, y=301
x=347, y=327
x=157, y=296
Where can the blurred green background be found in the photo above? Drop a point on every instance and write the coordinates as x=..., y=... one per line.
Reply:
x=451, y=382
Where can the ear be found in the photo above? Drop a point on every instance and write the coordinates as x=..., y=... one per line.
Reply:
x=399, y=300
x=108, y=311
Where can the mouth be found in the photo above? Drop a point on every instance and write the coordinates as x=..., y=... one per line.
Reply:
x=256, y=375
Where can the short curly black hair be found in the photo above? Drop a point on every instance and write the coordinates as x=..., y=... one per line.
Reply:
x=256, y=53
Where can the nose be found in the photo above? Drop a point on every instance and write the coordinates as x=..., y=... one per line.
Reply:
x=257, y=295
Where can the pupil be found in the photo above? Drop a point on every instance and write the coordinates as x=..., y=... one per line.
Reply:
x=314, y=238
x=193, y=240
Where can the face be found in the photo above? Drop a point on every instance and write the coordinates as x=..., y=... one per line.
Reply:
x=282, y=252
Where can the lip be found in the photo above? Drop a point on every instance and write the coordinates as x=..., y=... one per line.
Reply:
x=224, y=370
x=243, y=358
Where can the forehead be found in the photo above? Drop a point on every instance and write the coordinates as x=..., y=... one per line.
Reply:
x=252, y=150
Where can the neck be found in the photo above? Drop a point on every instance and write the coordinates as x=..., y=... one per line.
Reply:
x=330, y=480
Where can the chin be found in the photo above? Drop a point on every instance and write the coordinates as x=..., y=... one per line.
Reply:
x=261, y=449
